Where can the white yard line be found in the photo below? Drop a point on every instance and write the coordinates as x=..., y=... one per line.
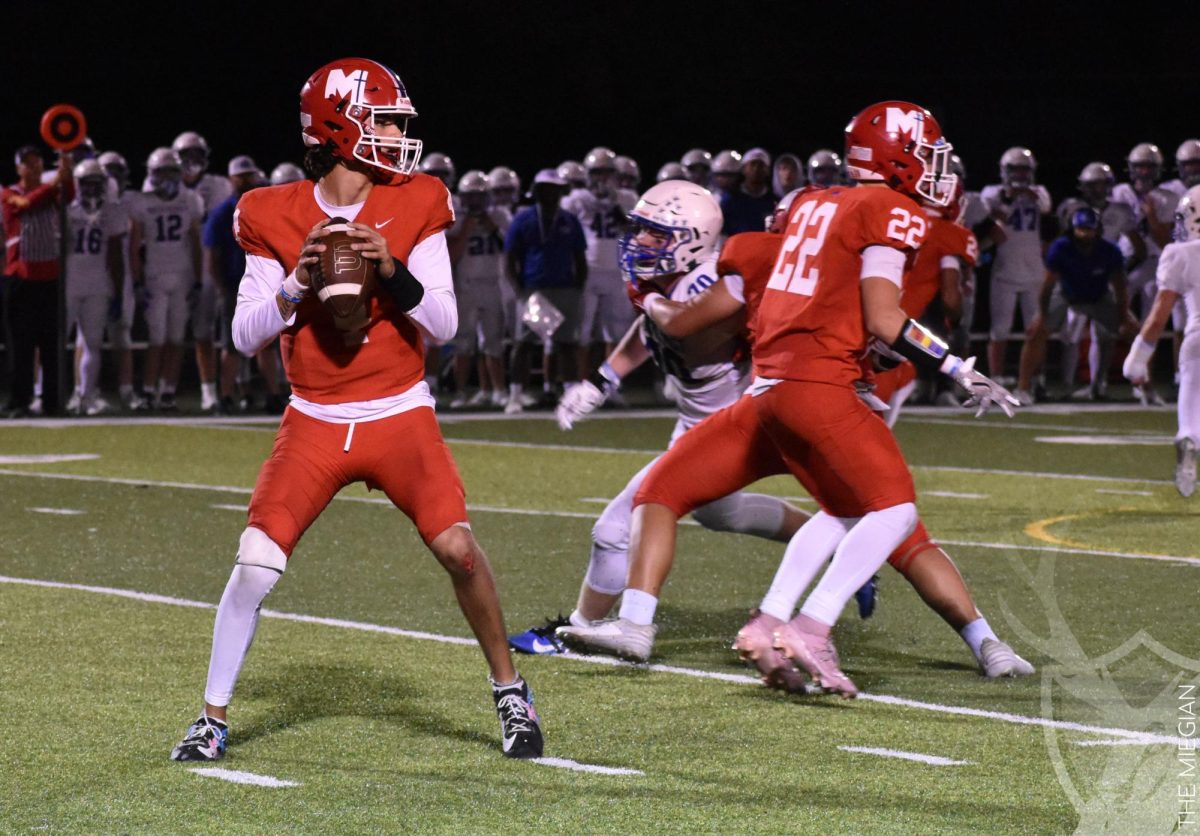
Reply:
x=739, y=679
x=935, y=760
x=1118, y=742
x=62, y=512
x=1108, y=440
x=48, y=458
x=1125, y=493
x=578, y=515
x=576, y=766
x=956, y=495
x=235, y=776
x=218, y=506
x=1038, y=474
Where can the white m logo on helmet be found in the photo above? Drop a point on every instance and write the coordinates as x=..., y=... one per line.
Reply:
x=340, y=85
x=911, y=122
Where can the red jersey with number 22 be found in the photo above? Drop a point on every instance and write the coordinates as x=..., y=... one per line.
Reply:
x=810, y=324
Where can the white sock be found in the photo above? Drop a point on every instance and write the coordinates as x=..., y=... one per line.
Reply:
x=237, y=618
x=577, y=619
x=165, y=388
x=638, y=607
x=1188, y=407
x=858, y=557
x=514, y=390
x=974, y=634
x=125, y=390
x=208, y=391
x=804, y=556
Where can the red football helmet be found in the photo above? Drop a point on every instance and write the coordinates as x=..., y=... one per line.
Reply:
x=901, y=144
x=339, y=105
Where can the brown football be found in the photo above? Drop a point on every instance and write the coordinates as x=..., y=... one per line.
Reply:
x=342, y=278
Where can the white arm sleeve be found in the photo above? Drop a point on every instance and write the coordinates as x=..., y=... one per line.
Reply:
x=256, y=319
x=950, y=262
x=883, y=262
x=437, y=312
x=735, y=285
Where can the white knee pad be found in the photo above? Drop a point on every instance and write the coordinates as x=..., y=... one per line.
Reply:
x=608, y=570
x=255, y=548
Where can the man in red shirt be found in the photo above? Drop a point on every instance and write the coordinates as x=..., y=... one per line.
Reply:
x=360, y=409
x=31, y=230
x=835, y=285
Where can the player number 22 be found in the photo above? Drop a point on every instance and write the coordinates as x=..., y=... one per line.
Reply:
x=792, y=273
x=906, y=227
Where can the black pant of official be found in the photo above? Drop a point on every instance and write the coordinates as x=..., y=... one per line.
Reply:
x=33, y=318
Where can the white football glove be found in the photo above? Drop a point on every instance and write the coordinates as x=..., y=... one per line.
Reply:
x=1136, y=367
x=983, y=391
x=577, y=403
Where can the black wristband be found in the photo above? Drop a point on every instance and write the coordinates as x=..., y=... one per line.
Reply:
x=403, y=287
x=920, y=346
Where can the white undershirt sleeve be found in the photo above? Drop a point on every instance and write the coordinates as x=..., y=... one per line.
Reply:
x=735, y=286
x=256, y=319
x=882, y=262
x=950, y=262
x=437, y=312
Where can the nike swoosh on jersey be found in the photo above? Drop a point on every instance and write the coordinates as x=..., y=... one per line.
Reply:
x=382, y=224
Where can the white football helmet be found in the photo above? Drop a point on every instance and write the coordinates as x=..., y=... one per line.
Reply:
x=824, y=168
x=600, y=158
x=683, y=218
x=114, y=166
x=1187, y=162
x=1187, y=216
x=193, y=153
x=574, y=173
x=165, y=170
x=504, y=185
x=1144, y=165
x=671, y=171
x=777, y=221
x=1095, y=182
x=473, y=189
x=439, y=166
x=93, y=183
x=1018, y=167
x=698, y=164
x=286, y=173
x=628, y=173
x=727, y=162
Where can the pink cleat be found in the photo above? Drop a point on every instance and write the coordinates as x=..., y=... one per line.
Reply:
x=816, y=654
x=755, y=643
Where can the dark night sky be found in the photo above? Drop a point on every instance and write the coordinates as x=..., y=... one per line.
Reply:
x=529, y=84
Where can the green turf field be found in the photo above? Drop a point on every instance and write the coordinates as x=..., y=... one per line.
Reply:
x=1082, y=556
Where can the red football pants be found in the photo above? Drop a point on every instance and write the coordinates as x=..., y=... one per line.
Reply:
x=405, y=456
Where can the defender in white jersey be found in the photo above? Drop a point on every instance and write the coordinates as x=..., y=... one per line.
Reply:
x=669, y=250
x=95, y=275
x=1178, y=282
x=1187, y=167
x=213, y=190
x=1017, y=205
x=166, y=222
x=476, y=244
x=601, y=209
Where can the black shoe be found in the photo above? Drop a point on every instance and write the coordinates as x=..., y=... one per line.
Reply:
x=204, y=741
x=540, y=641
x=225, y=406
x=520, y=730
x=166, y=402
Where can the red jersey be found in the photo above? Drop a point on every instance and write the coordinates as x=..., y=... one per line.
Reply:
x=750, y=255
x=322, y=366
x=810, y=324
x=923, y=282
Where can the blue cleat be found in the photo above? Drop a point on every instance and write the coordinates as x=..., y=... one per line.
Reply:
x=867, y=596
x=540, y=641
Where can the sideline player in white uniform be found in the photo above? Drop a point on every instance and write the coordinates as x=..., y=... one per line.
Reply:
x=213, y=190
x=286, y=173
x=1178, y=281
x=1017, y=204
x=120, y=320
x=1117, y=221
x=601, y=208
x=504, y=185
x=95, y=275
x=669, y=249
x=476, y=243
x=1187, y=167
x=1154, y=207
x=167, y=222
